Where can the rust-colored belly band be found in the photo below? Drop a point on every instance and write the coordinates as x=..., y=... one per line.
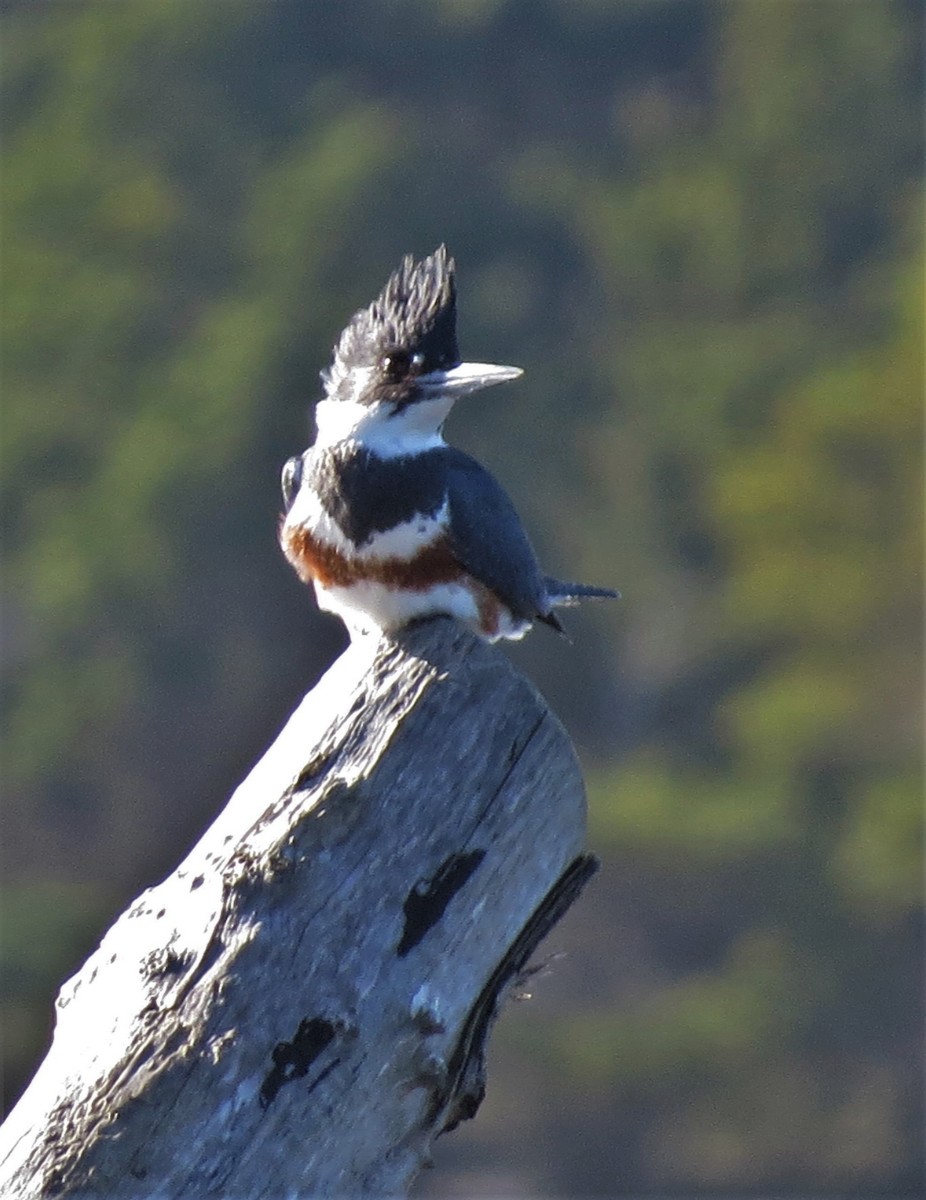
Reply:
x=315, y=561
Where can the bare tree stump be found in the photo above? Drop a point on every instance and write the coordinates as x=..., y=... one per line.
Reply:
x=303, y=1005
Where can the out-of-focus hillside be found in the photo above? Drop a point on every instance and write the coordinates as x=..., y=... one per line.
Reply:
x=697, y=226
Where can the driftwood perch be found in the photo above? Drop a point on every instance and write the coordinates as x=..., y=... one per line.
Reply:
x=303, y=1005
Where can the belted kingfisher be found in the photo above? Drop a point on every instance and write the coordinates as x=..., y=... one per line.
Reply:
x=385, y=519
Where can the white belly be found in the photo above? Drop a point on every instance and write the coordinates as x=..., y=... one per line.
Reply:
x=369, y=607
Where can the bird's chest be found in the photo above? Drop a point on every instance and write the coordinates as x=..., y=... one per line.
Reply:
x=360, y=517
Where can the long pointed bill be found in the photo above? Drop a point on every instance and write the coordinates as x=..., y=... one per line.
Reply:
x=467, y=377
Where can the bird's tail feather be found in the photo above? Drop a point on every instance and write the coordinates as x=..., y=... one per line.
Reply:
x=567, y=594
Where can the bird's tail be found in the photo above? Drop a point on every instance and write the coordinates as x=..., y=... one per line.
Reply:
x=565, y=595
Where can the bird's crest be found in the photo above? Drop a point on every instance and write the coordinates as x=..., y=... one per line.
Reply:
x=416, y=313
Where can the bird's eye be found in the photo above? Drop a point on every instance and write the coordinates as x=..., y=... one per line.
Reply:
x=398, y=365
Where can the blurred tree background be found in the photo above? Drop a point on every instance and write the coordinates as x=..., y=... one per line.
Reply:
x=697, y=225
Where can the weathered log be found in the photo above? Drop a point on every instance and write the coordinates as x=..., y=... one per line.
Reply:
x=303, y=1005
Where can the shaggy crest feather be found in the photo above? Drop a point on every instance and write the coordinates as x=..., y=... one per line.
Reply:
x=415, y=312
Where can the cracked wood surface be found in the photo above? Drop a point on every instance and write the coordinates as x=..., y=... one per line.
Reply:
x=303, y=1005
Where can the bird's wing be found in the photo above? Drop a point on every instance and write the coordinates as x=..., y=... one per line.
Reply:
x=488, y=539
x=291, y=480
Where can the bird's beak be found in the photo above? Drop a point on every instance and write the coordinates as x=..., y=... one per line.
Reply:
x=465, y=378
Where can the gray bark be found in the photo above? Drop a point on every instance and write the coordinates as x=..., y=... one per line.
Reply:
x=303, y=1005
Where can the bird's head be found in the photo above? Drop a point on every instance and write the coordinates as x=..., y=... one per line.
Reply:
x=396, y=371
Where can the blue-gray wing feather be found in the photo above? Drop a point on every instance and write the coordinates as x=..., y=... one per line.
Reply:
x=489, y=540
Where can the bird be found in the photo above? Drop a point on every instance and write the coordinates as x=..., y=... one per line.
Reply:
x=388, y=522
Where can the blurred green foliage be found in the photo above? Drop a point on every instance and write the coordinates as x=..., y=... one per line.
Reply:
x=696, y=224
